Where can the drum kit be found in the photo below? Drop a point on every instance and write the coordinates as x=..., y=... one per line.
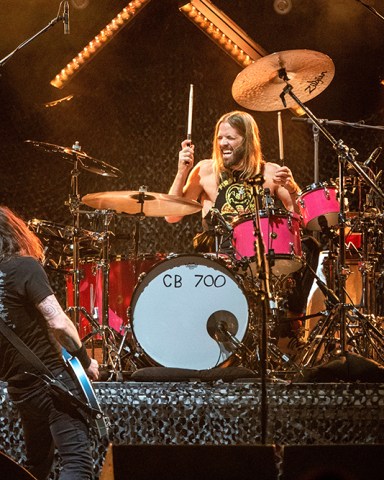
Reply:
x=290, y=78
x=198, y=311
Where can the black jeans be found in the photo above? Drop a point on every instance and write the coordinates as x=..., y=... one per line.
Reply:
x=48, y=422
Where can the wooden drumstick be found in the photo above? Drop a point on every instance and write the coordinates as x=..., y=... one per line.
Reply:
x=280, y=133
x=190, y=111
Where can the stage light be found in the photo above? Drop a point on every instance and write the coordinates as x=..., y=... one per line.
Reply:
x=282, y=7
x=59, y=101
x=223, y=31
x=98, y=42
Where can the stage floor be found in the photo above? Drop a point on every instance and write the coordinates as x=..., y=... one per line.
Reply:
x=224, y=413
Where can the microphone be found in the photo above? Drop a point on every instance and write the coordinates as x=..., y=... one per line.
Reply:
x=222, y=325
x=323, y=224
x=373, y=157
x=216, y=215
x=66, y=18
x=268, y=198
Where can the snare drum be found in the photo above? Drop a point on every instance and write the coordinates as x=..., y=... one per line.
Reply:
x=281, y=239
x=319, y=202
x=179, y=311
x=124, y=274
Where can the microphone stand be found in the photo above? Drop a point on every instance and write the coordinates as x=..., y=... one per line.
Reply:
x=26, y=42
x=345, y=154
x=371, y=9
x=315, y=130
x=262, y=266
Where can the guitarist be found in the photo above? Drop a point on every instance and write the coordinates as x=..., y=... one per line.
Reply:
x=29, y=307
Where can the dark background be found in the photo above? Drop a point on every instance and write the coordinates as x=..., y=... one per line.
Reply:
x=130, y=101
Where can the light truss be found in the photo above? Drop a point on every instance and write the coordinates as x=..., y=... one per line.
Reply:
x=226, y=34
x=98, y=42
x=223, y=31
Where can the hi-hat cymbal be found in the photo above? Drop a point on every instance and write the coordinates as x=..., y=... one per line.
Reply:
x=85, y=161
x=51, y=231
x=258, y=86
x=149, y=203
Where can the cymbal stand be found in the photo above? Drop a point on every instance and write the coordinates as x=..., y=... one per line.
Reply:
x=125, y=348
x=362, y=333
x=370, y=255
x=112, y=342
x=105, y=267
x=345, y=154
x=74, y=205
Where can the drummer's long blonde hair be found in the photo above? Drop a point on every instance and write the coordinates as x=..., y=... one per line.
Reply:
x=251, y=163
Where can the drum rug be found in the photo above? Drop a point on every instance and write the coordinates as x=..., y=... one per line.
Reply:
x=153, y=374
x=345, y=368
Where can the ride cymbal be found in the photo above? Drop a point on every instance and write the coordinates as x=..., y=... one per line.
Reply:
x=149, y=204
x=85, y=161
x=259, y=86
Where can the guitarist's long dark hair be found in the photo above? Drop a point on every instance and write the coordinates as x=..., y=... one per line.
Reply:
x=16, y=239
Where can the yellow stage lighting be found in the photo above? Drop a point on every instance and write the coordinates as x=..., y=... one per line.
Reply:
x=223, y=31
x=98, y=42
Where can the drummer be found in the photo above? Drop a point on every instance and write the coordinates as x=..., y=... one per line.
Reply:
x=236, y=158
x=223, y=182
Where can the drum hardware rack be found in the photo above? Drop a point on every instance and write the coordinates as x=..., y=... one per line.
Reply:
x=114, y=346
x=345, y=155
x=108, y=336
x=361, y=331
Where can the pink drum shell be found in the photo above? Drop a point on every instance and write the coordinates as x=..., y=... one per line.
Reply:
x=281, y=233
x=316, y=200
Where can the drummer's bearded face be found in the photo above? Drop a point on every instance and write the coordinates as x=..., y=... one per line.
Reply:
x=232, y=145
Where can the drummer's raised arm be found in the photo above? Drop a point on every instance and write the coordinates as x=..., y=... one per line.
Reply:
x=287, y=190
x=185, y=183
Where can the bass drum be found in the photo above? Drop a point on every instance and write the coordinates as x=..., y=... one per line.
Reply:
x=189, y=311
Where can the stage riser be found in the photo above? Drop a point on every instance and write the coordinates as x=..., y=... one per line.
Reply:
x=195, y=413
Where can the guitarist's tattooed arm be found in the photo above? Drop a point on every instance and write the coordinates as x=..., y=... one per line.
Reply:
x=64, y=331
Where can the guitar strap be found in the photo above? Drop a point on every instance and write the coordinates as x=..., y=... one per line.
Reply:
x=34, y=360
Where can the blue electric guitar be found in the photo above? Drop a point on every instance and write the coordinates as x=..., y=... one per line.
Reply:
x=91, y=404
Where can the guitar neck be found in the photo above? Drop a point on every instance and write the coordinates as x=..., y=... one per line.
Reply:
x=97, y=417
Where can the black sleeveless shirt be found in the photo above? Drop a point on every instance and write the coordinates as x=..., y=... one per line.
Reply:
x=235, y=198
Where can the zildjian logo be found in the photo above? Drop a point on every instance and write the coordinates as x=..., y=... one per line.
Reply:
x=312, y=85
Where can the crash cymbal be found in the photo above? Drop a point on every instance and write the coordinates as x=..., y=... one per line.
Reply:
x=258, y=86
x=85, y=161
x=154, y=204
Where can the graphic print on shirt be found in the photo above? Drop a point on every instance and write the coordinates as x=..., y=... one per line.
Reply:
x=234, y=198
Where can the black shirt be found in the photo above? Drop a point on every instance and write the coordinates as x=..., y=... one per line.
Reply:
x=234, y=198
x=24, y=284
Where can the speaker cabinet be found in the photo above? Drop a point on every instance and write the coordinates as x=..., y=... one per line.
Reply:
x=11, y=470
x=189, y=462
x=333, y=462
